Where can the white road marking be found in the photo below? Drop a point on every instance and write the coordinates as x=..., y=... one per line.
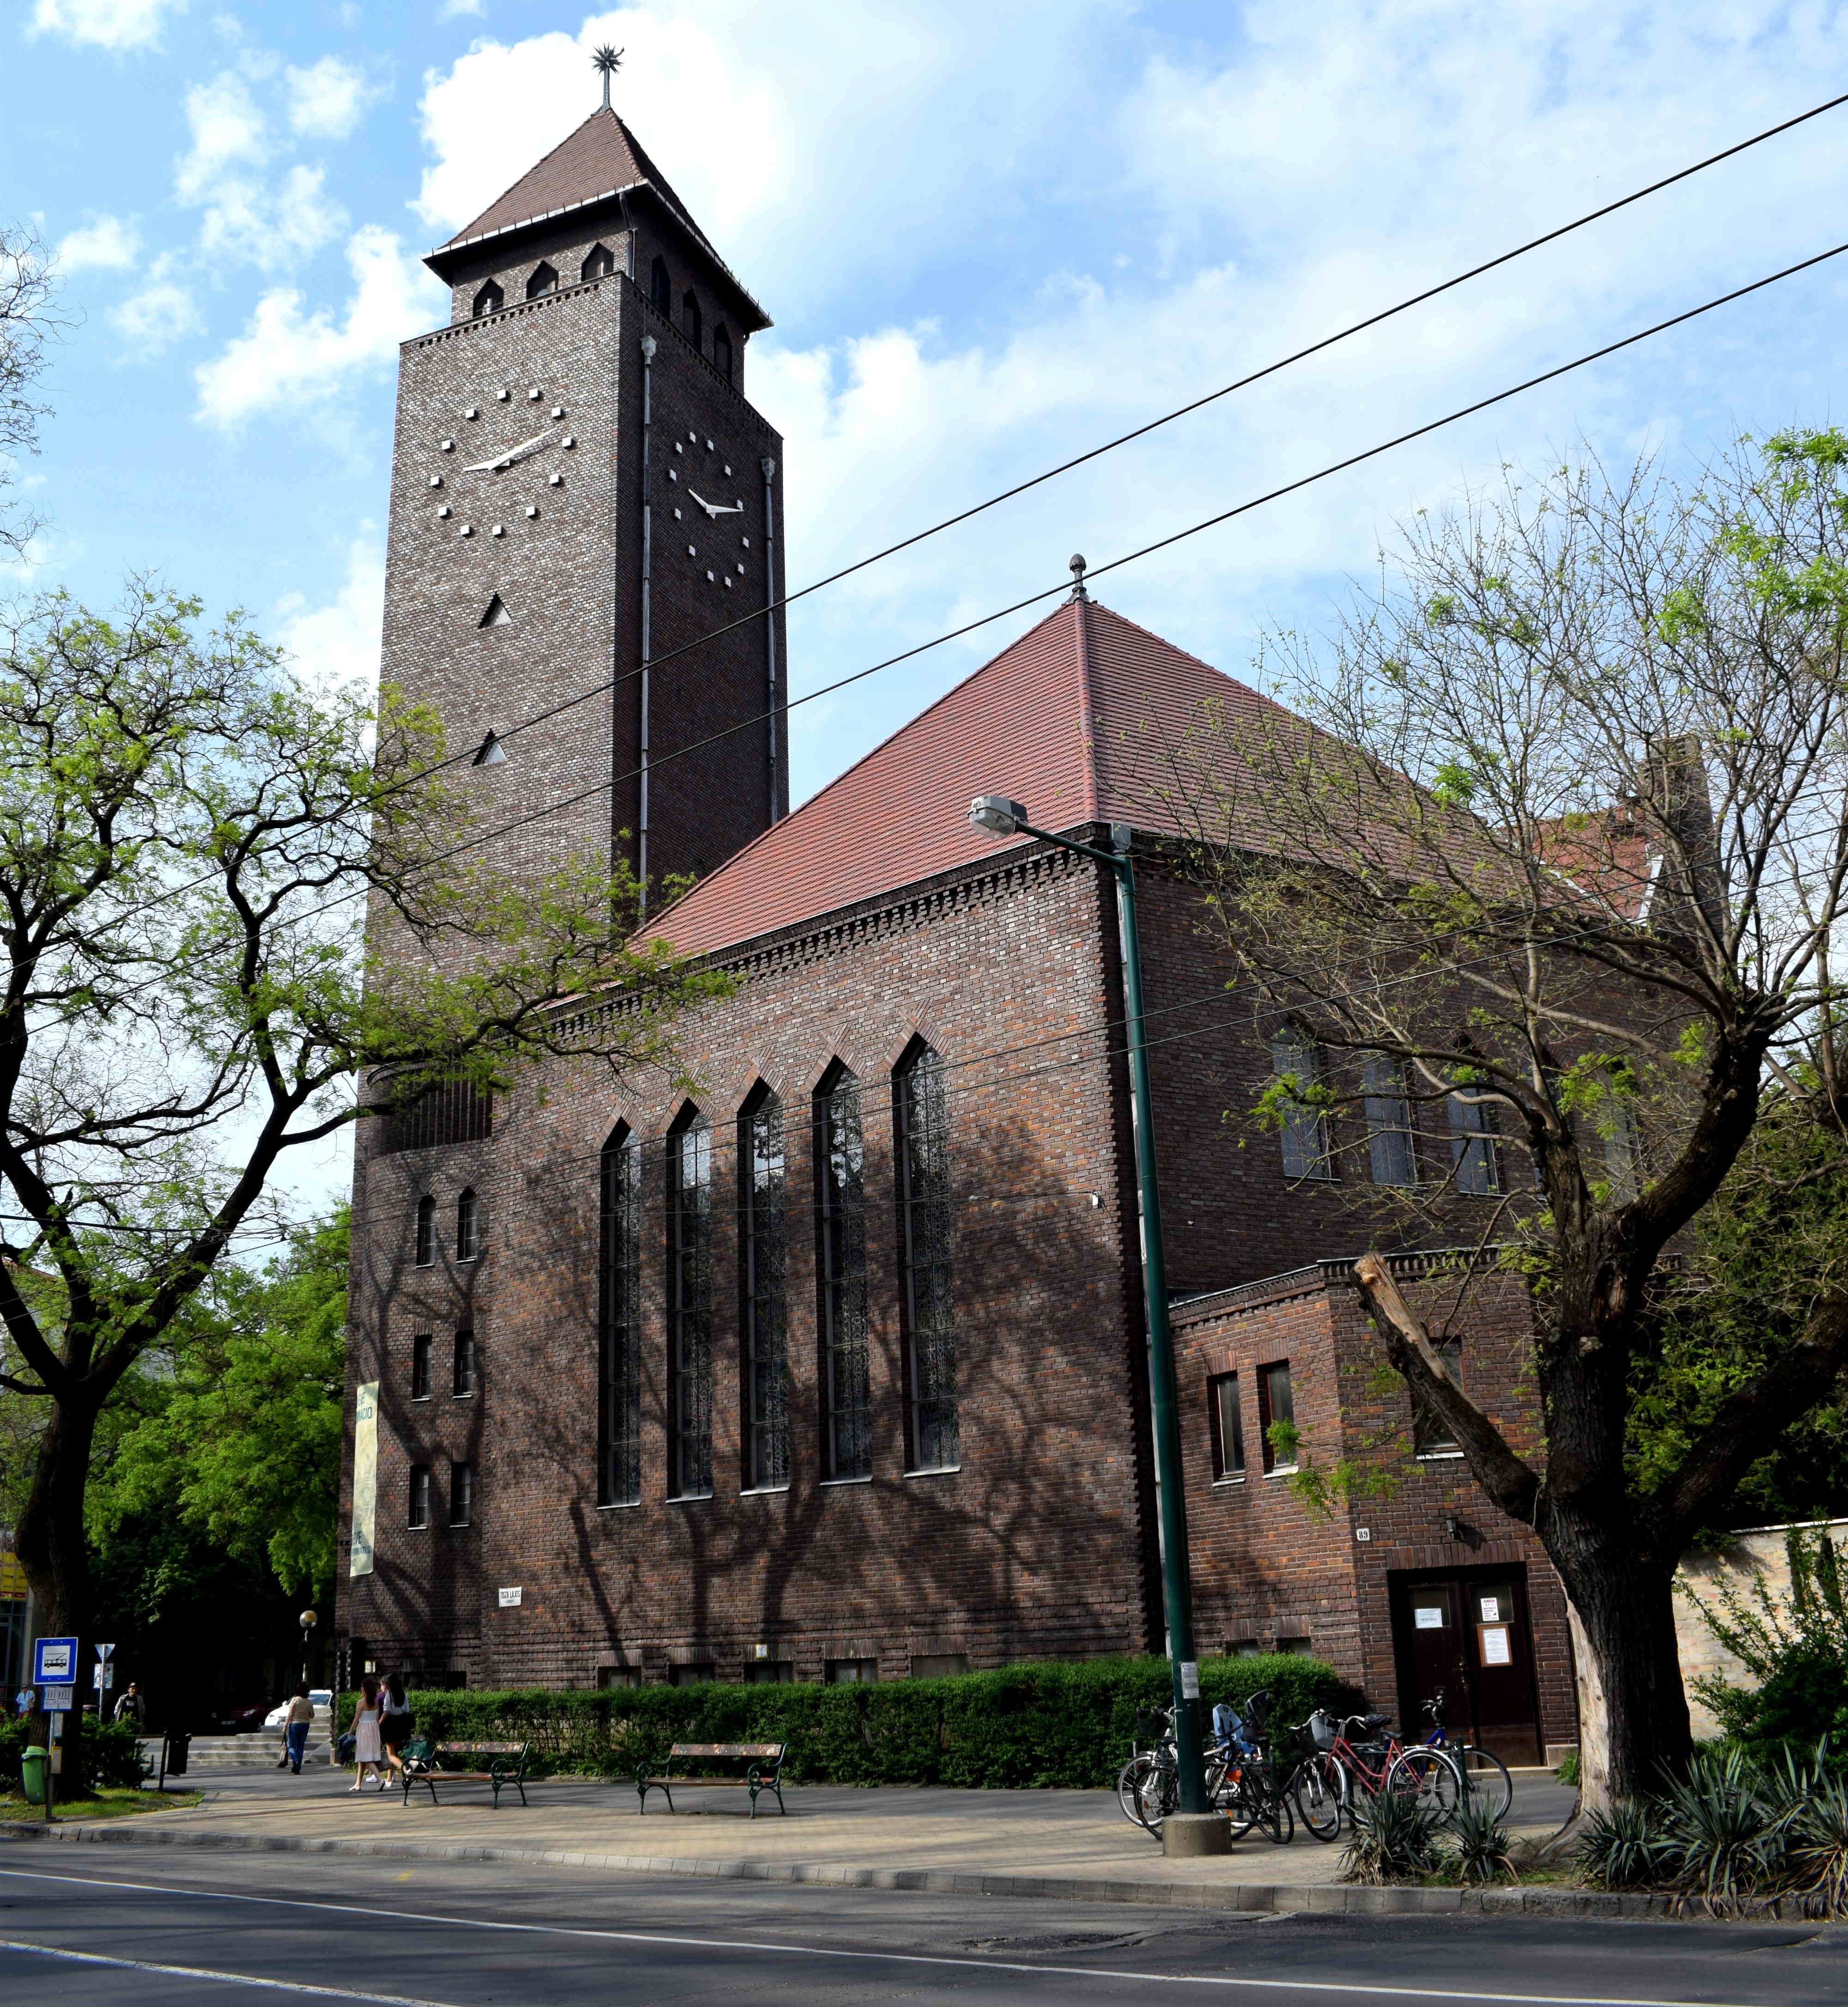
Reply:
x=206, y=1972
x=346, y=1912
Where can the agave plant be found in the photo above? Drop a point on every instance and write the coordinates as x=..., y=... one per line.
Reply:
x=1395, y=1839
x=1721, y=1838
x=1622, y=1848
x=1479, y=1843
x=1808, y=1800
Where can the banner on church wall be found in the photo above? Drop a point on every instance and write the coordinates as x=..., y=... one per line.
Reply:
x=366, y=1478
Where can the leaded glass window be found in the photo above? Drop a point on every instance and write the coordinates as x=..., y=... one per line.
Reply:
x=926, y=1217
x=690, y=1307
x=846, y=1447
x=619, y=1367
x=763, y=1271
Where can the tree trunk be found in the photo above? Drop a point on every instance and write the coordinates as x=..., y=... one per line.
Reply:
x=1633, y=1723
x=49, y=1539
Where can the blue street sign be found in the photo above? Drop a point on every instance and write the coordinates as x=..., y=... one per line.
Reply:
x=55, y=1662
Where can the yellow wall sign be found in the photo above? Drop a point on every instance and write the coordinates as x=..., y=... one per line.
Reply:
x=12, y=1579
x=366, y=1478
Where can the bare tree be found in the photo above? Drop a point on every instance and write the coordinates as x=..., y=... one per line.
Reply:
x=189, y=844
x=1558, y=857
x=27, y=288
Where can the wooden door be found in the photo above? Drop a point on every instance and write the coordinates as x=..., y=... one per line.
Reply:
x=1465, y=1632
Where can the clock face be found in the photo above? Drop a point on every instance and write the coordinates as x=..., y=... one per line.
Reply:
x=507, y=455
x=707, y=495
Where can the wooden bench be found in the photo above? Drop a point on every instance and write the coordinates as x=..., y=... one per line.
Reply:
x=765, y=1773
x=431, y=1764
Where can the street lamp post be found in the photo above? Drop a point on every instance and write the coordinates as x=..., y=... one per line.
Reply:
x=999, y=817
x=308, y=1621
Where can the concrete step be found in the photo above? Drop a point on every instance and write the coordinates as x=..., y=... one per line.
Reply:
x=258, y=1751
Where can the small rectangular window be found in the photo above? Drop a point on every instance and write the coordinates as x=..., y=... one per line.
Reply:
x=461, y=1494
x=1228, y=1426
x=462, y=1373
x=1430, y=1434
x=420, y=1494
x=467, y=1227
x=619, y=1675
x=1275, y=1403
x=420, y=1366
x=851, y=1672
x=1473, y=1144
x=770, y=1672
x=701, y=1675
x=1390, y=1153
x=1304, y=1135
x=938, y=1665
x=426, y=1233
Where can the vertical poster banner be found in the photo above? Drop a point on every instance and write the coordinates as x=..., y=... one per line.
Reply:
x=366, y=1478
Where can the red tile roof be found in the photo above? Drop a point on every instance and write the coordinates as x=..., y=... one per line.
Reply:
x=1072, y=719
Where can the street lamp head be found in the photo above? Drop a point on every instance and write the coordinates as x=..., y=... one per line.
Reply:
x=996, y=814
x=308, y=1620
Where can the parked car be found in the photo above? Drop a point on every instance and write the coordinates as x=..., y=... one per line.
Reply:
x=320, y=1698
x=228, y=1719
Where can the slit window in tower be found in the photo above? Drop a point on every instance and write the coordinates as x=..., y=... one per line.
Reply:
x=763, y=1272
x=619, y=1318
x=926, y=1215
x=690, y=1306
x=846, y=1440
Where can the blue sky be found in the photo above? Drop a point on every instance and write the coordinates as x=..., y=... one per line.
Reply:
x=988, y=236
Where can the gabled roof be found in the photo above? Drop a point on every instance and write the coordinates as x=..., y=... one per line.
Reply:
x=1072, y=719
x=602, y=159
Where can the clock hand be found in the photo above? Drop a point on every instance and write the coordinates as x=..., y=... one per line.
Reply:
x=523, y=451
x=716, y=509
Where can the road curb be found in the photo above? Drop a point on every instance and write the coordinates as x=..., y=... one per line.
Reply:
x=1268, y=1898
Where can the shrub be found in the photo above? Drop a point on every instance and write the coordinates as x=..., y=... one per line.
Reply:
x=1395, y=1839
x=1720, y=1835
x=107, y=1757
x=1567, y=1772
x=1622, y=1848
x=1061, y=1724
x=1479, y=1843
x=1795, y=1648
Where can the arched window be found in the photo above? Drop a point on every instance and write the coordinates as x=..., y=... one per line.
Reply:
x=690, y=321
x=926, y=1219
x=660, y=288
x=544, y=280
x=690, y=1306
x=840, y=1168
x=599, y=263
x=1303, y=1129
x=763, y=1270
x=490, y=299
x=467, y=1227
x=722, y=351
x=618, y=1324
x=426, y=1231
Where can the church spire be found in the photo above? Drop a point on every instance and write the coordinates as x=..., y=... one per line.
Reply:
x=607, y=61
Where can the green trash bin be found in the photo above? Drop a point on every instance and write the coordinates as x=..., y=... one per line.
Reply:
x=32, y=1772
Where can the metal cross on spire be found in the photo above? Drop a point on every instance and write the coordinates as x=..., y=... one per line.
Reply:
x=607, y=61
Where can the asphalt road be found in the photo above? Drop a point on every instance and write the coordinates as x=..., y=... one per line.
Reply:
x=466, y=1934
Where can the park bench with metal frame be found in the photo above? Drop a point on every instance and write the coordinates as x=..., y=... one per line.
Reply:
x=764, y=1773
x=428, y=1763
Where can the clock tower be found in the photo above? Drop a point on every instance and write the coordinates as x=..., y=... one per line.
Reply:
x=585, y=526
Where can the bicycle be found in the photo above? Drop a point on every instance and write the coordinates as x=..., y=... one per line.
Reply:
x=1326, y=1782
x=1485, y=1774
x=1247, y=1782
x=1148, y=1787
x=1240, y=1780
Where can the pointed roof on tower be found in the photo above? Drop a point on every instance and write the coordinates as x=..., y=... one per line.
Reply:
x=1075, y=719
x=600, y=162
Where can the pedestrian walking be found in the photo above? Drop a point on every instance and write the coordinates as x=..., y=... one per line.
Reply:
x=394, y=1724
x=296, y=1724
x=131, y=1707
x=369, y=1747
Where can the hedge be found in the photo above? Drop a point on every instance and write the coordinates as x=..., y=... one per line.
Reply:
x=1065, y=1724
x=106, y=1755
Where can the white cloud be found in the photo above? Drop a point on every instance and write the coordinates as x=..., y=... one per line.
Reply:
x=163, y=312
x=108, y=24
x=227, y=130
x=328, y=99
x=288, y=357
x=271, y=229
x=336, y=642
x=247, y=219
x=451, y=10
x=107, y=245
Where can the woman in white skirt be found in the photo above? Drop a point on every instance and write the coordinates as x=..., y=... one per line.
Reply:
x=369, y=1745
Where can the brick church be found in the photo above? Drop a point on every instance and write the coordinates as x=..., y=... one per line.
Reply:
x=832, y=1368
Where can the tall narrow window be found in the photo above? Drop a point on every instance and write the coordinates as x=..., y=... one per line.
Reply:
x=461, y=1376
x=490, y=299
x=619, y=1322
x=1276, y=1403
x=1390, y=1149
x=461, y=1494
x=1305, y=1131
x=420, y=1513
x=598, y=264
x=1229, y=1427
x=690, y=1307
x=690, y=324
x=1430, y=1433
x=467, y=1227
x=722, y=352
x=1473, y=1144
x=927, y=1219
x=426, y=1232
x=544, y=280
x=660, y=287
x=847, y=1446
x=420, y=1366
x=762, y=1270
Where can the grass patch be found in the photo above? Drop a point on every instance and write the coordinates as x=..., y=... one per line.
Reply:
x=103, y=1804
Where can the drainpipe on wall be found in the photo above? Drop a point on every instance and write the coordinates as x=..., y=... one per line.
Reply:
x=647, y=363
x=769, y=468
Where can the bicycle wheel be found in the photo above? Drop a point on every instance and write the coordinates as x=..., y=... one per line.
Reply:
x=1319, y=1790
x=1154, y=1789
x=1430, y=1776
x=1485, y=1777
x=1128, y=1782
x=1242, y=1797
x=1280, y=1822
